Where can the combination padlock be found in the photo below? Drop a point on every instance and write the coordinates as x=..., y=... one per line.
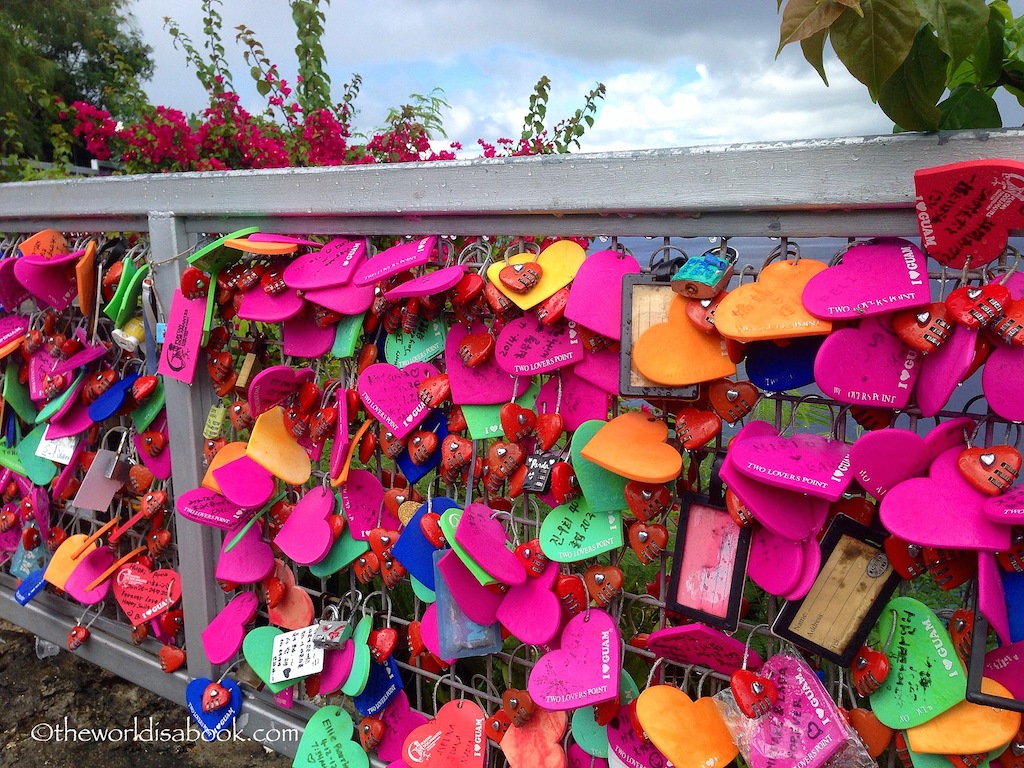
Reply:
x=538, y=471
x=704, y=276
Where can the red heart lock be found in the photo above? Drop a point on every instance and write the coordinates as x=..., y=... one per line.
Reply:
x=503, y=459
x=366, y=567
x=875, y=735
x=475, y=349
x=367, y=357
x=421, y=446
x=516, y=422
x=1012, y=561
x=53, y=384
x=869, y=670
x=499, y=304
x=456, y=453
x=468, y=290
x=394, y=498
x=143, y=388
x=296, y=422
x=532, y=558
x=857, y=508
x=171, y=658
x=171, y=622
x=983, y=347
x=571, y=593
x=7, y=520
x=754, y=694
x=240, y=415
x=497, y=725
x=564, y=485
x=924, y=328
x=907, y=559
x=518, y=705
x=702, y=312
x=430, y=524
x=371, y=731
x=606, y=711
x=872, y=418
x=272, y=282
x=219, y=366
x=211, y=447
x=950, y=568
x=899, y=741
x=697, y=427
x=1013, y=757
x=961, y=632
x=273, y=589
x=337, y=525
x=515, y=483
x=250, y=276
x=381, y=541
x=412, y=311
x=549, y=429
x=382, y=644
x=647, y=500
x=55, y=345
x=324, y=317
x=978, y=306
x=732, y=400
x=520, y=278
x=195, y=284
x=594, y=342
x=367, y=446
x=307, y=396
x=321, y=425
x=457, y=420
x=77, y=636
x=738, y=511
x=604, y=582
x=215, y=696
x=990, y=470
x=435, y=390
x=153, y=442
x=648, y=541
x=70, y=347
x=279, y=514
x=414, y=635
x=392, y=572
x=552, y=309
x=157, y=540
x=1010, y=327
x=390, y=445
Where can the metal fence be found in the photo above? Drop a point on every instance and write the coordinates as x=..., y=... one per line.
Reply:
x=808, y=190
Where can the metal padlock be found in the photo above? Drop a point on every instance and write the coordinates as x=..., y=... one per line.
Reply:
x=538, y=471
x=704, y=276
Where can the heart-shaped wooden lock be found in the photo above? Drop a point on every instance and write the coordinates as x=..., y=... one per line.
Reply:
x=732, y=400
x=990, y=470
x=924, y=328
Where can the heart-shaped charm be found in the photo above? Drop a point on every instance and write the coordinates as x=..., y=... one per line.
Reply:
x=223, y=637
x=548, y=428
x=924, y=328
x=688, y=733
x=869, y=669
x=391, y=395
x=632, y=445
x=244, y=482
x=171, y=658
x=595, y=298
x=585, y=669
x=525, y=348
x=967, y=728
x=990, y=470
x=454, y=737
x=872, y=732
x=306, y=536
x=275, y=449
x=575, y=399
x=732, y=400
x=333, y=264
x=435, y=390
x=483, y=539
x=558, y=265
x=144, y=594
x=648, y=541
x=51, y=280
x=754, y=694
x=676, y=353
x=531, y=611
x=776, y=563
x=537, y=743
x=943, y=371
x=647, y=500
x=978, y=306
x=213, y=705
x=701, y=645
x=803, y=463
x=273, y=385
x=875, y=277
x=882, y=459
x=249, y=561
x=327, y=740
x=575, y=531
x=485, y=384
x=203, y=506
x=394, y=260
x=571, y=592
x=1002, y=387
x=517, y=422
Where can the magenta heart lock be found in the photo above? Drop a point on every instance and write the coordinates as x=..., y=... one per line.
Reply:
x=803, y=463
x=595, y=297
x=585, y=668
x=206, y=507
x=244, y=482
x=944, y=369
x=263, y=307
x=525, y=347
x=428, y=284
x=531, y=611
x=882, y=459
x=868, y=365
x=485, y=384
x=601, y=369
x=576, y=399
x=395, y=259
x=362, y=499
x=337, y=667
x=775, y=564
x=334, y=264
x=273, y=385
x=483, y=538
x=1002, y=383
x=12, y=293
x=303, y=337
x=249, y=561
x=428, y=631
x=222, y=638
x=306, y=536
x=391, y=395
x=701, y=645
x=876, y=277
x=50, y=280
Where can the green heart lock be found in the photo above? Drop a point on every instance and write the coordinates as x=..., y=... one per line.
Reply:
x=449, y=522
x=143, y=416
x=327, y=742
x=132, y=294
x=575, y=531
x=925, y=677
x=37, y=469
x=214, y=256
x=128, y=270
x=349, y=329
x=9, y=458
x=422, y=591
x=425, y=343
x=258, y=648
x=593, y=738
x=484, y=421
x=58, y=402
x=344, y=551
x=361, y=664
x=603, y=490
x=16, y=395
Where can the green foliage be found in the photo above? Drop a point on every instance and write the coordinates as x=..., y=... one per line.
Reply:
x=568, y=132
x=313, y=87
x=211, y=67
x=929, y=64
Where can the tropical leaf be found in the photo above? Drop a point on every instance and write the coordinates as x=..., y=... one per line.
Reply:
x=968, y=107
x=910, y=95
x=813, y=48
x=873, y=47
x=960, y=24
x=803, y=18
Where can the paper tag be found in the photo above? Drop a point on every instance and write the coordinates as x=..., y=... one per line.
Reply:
x=214, y=421
x=60, y=450
x=295, y=656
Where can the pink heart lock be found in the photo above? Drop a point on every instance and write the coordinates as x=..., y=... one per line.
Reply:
x=884, y=458
x=344, y=298
x=1002, y=383
x=73, y=421
x=362, y=501
x=803, y=727
x=431, y=283
x=803, y=463
x=479, y=603
x=50, y=280
x=249, y=561
x=400, y=719
x=244, y=482
x=595, y=297
x=144, y=594
x=944, y=369
x=525, y=347
x=867, y=365
x=484, y=539
x=428, y=631
x=531, y=611
x=576, y=399
x=339, y=447
x=585, y=668
x=949, y=434
x=629, y=749
x=306, y=536
x=93, y=565
x=812, y=565
x=258, y=305
x=334, y=264
x=600, y=369
x=273, y=385
x=159, y=465
x=487, y=383
x=391, y=395
x=12, y=325
x=89, y=353
x=1005, y=665
x=12, y=292
x=1007, y=508
x=395, y=259
x=776, y=564
x=303, y=337
x=942, y=510
x=701, y=645
x=206, y=507
x=337, y=667
x=222, y=638
x=875, y=277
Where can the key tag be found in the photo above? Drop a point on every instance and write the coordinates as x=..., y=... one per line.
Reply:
x=991, y=470
x=754, y=693
x=80, y=632
x=707, y=275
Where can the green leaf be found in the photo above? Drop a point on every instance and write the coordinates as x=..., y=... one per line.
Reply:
x=262, y=87
x=813, y=48
x=873, y=47
x=255, y=72
x=855, y=4
x=910, y=94
x=988, y=55
x=803, y=18
x=968, y=107
x=960, y=24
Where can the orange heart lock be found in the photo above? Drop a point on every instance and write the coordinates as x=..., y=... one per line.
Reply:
x=967, y=728
x=676, y=353
x=771, y=308
x=633, y=445
x=691, y=734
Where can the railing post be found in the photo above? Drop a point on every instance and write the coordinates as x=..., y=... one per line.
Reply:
x=187, y=407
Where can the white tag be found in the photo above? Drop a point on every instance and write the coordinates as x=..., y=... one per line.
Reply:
x=295, y=656
x=60, y=450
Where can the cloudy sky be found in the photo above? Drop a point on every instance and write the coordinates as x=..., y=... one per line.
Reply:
x=678, y=72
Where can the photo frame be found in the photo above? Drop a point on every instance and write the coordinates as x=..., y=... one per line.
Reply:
x=853, y=585
x=645, y=301
x=710, y=564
